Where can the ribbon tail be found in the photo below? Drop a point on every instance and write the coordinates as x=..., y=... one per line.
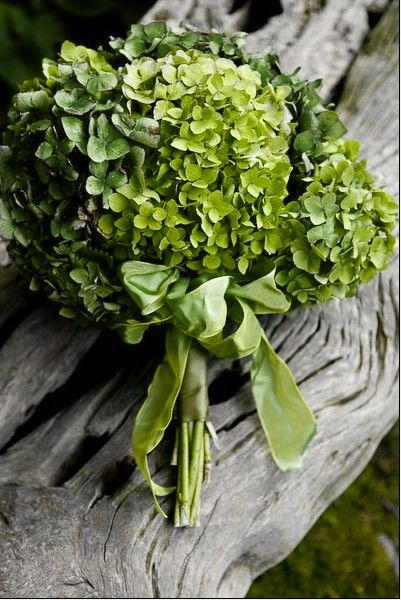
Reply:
x=286, y=418
x=157, y=410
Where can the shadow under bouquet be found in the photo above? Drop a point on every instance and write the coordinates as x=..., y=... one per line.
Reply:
x=173, y=180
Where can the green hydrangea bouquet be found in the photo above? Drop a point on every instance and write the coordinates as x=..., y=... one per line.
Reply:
x=174, y=180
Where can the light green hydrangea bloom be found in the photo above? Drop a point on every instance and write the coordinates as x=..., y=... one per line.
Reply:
x=221, y=172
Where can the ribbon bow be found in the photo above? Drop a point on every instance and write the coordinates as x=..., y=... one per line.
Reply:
x=201, y=310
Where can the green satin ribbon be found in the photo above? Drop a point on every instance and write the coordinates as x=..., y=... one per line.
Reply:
x=199, y=311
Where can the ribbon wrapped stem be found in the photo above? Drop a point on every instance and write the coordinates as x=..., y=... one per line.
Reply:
x=192, y=448
x=198, y=316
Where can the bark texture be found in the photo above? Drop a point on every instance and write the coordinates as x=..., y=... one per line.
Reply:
x=76, y=519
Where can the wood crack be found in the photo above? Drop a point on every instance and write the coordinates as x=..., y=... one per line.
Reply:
x=240, y=419
x=107, y=539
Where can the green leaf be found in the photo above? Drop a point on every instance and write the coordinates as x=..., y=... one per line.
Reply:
x=105, y=130
x=140, y=222
x=180, y=144
x=97, y=149
x=79, y=275
x=378, y=253
x=123, y=224
x=117, y=148
x=138, y=156
x=134, y=47
x=99, y=170
x=159, y=214
x=22, y=236
x=98, y=61
x=27, y=101
x=314, y=206
x=243, y=264
x=67, y=313
x=75, y=102
x=287, y=420
x=6, y=222
x=116, y=179
x=94, y=185
x=304, y=141
x=307, y=261
x=106, y=224
x=330, y=125
x=44, y=151
x=74, y=129
x=72, y=53
x=133, y=331
x=344, y=272
x=146, y=131
x=143, y=129
x=212, y=262
x=155, y=29
x=118, y=202
x=193, y=172
x=157, y=410
x=107, y=145
x=123, y=122
x=101, y=83
x=323, y=232
x=321, y=208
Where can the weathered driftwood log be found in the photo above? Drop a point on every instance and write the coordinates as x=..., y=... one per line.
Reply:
x=76, y=518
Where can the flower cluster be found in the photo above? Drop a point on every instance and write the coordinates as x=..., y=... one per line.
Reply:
x=221, y=170
x=177, y=148
x=340, y=229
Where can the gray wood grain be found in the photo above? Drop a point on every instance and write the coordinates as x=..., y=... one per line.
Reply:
x=75, y=516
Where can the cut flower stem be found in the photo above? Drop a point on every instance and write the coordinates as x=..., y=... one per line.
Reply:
x=192, y=446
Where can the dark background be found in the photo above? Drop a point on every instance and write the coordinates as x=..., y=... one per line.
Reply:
x=33, y=29
x=350, y=552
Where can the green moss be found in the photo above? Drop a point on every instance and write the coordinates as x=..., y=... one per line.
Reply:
x=342, y=557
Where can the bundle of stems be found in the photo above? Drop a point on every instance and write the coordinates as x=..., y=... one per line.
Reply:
x=192, y=443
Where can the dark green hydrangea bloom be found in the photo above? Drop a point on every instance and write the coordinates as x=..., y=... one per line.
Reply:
x=179, y=149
